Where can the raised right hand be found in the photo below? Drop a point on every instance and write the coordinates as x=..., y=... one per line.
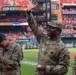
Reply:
x=31, y=6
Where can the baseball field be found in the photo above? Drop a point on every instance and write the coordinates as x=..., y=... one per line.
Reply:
x=29, y=61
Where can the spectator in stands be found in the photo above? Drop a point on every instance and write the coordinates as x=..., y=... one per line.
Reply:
x=53, y=56
x=10, y=56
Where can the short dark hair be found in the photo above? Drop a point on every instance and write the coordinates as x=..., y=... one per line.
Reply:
x=2, y=37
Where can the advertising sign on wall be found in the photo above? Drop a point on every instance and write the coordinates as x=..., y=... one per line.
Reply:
x=13, y=8
x=5, y=23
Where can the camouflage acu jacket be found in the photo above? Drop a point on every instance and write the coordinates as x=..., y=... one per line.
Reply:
x=53, y=54
x=10, y=59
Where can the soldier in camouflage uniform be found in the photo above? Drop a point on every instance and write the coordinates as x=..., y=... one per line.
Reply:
x=10, y=56
x=53, y=57
x=74, y=66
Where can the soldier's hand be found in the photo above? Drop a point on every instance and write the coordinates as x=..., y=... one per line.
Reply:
x=41, y=67
x=31, y=6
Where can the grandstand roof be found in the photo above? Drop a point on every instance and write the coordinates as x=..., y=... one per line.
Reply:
x=14, y=2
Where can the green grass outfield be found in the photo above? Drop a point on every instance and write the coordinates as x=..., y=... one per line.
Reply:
x=29, y=61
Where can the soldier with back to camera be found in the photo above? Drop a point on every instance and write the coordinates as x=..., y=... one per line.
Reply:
x=10, y=56
x=53, y=57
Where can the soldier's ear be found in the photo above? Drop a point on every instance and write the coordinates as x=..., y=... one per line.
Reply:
x=59, y=31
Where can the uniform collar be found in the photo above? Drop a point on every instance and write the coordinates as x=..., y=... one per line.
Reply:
x=9, y=46
x=53, y=42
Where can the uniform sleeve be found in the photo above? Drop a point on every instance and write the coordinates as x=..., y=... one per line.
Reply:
x=1, y=64
x=15, y=59
x=33, y=25
x=63, y=65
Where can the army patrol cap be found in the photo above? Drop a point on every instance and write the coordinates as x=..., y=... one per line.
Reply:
x=2, y=37
x=56, y=24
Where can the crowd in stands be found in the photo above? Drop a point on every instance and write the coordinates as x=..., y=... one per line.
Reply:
x=13, y=33
x=70, y=13
x=31, y=35
x=68, y=26
x=16, y=18
x=19, y=35
x=13, y=36
x=69, y=10
x=68, y=31
x=69, y=17
x=13, y=18
x=14, y=2
x=4, y=2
